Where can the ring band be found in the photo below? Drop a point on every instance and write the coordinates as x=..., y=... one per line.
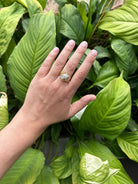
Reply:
x=64, y=76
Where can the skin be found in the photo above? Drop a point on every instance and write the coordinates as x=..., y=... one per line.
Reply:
x=46, y=93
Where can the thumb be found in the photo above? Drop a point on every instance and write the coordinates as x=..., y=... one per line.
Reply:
x=80, y=104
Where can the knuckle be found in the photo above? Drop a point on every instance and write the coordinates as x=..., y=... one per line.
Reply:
x=71, y=67
x=81, y=75
x=58, y=64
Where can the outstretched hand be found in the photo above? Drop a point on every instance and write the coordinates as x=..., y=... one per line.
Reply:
x=48, y=99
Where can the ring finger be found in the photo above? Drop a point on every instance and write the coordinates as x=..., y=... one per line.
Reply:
x=74, y=60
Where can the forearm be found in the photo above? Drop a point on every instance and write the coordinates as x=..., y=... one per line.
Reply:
x=15, y=138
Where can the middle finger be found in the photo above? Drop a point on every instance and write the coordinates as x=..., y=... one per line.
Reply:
x=73, y=62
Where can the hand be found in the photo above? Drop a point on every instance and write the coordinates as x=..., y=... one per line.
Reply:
x=48, y=99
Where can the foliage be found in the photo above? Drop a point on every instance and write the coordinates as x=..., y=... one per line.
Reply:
x=27, y=35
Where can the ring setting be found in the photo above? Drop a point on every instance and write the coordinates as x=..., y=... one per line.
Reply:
x=64, y=76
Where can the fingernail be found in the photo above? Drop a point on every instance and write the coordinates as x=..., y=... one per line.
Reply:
x=71, y=43
x=84, y=44
x=55, y=49
x=93, y=52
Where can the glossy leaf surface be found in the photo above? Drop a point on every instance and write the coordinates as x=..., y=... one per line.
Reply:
x=95, y=148
x=71, y=23
x=94, y=170
x=34, y=7
x=123, y=22
x=31, y=52
x=26, y=168
x=109, y=114
x=125, y=56
x=9, y=18
x=128, y=142
x=108, y=72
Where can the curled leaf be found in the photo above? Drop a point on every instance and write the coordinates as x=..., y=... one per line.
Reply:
x=4, y=117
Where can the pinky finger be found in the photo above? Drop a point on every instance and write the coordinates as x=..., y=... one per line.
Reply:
x=46, y=65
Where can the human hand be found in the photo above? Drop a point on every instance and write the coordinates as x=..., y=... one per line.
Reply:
x=48, y=99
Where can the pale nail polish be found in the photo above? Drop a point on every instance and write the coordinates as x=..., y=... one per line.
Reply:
x=71, y=43
x=94, y=52
x=84, y=44
x=55, y=49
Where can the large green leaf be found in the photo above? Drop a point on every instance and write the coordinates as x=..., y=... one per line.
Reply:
x=101, y=151
x=126, y=58
x=26, y=168
x=94, y=170
x=128, y=142
x=31, y=52
x=9, y=18
x=4, y=116
x=34, y=7
x=123, y=22
x=47, y=176
x=108, y=72
x=109, y=114
x=62, y=167
x=3, y=87
x=87, y=23
x=71, y=23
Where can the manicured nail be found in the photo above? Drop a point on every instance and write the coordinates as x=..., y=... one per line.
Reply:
x=55, y=49
x=71, y=43
x=93, y=52
x=84, y=44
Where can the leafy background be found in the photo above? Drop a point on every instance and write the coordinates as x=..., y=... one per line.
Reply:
x=107, y=128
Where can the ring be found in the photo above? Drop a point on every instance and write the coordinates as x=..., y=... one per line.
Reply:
x=64, y=76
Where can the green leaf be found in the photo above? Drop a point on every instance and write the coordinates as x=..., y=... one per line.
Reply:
x=94, y=170
x=7, y=2
x=126, y=58
x=108, y=72
x=6, y=55
x=34, y=7
x=9, y=18
x=25, y=23
x=102, y=52
x=71, y=23
x=66, y=181
x=26, y=168
x=61, y=2
x=101, y=151
x=132, y=125
x=128, y=142
x=75, y=168
x=3, y=87
x=4, y=116
x=31, y=52
x=47, y=177
x=62, y=167
x=109, y=114
x=43, y=3
x=87, y=24
x=123, y=22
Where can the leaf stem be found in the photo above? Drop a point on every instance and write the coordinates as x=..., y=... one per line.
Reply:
x=99, y=20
